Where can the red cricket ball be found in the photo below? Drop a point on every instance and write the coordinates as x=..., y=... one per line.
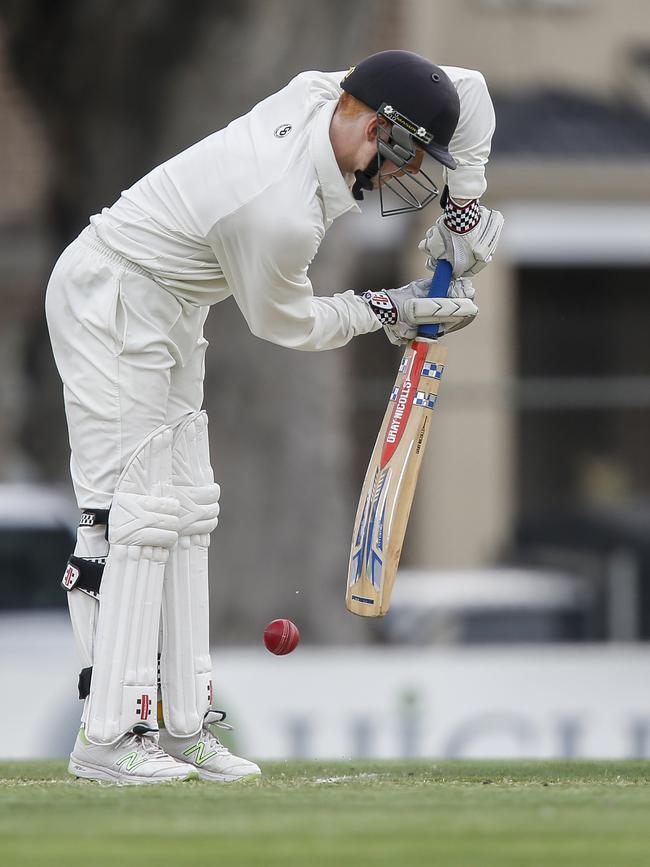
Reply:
x=281, y=636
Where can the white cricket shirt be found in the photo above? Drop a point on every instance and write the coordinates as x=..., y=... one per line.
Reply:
x=243, y=211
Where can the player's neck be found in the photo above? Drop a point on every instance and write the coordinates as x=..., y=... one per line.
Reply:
x=349, y=143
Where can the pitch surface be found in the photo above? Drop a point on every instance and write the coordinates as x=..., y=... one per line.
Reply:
x=350, y=814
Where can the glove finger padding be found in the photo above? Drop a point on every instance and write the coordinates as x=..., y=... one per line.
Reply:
x=434, y=245
x=487, y=236
x=461, y=287
x=452, y=313
x=437, y=311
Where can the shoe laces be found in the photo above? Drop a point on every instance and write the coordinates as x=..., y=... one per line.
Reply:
x=215, y=719
x=145, y=739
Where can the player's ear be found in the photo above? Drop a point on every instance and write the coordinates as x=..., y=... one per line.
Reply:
x=371, y=128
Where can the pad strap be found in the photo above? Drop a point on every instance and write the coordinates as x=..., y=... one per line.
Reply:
x=84, y=681
x=85, y=573
x=94, y=518
x=82, y=573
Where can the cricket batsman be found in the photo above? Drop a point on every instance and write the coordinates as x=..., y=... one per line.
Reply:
x=240, y=213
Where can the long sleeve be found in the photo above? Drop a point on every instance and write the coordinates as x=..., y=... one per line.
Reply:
x=470, y=144
x=264, y=250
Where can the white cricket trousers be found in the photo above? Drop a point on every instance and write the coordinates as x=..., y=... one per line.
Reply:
x=131, y=356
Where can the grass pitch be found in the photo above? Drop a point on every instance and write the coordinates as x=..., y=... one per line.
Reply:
x=338, y=814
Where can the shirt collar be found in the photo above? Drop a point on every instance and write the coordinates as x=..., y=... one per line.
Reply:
x=335, y=190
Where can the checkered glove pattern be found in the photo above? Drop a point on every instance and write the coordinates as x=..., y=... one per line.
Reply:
x=382, y=306
x=462, y=218
x=466, y=235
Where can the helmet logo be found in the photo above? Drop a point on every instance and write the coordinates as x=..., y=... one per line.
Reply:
x=283, y=130
x=410, y=126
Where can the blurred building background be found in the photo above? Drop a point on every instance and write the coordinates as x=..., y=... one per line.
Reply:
x=532, y=516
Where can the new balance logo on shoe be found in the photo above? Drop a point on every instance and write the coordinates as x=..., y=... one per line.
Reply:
x=201, y=756
x=131, y=761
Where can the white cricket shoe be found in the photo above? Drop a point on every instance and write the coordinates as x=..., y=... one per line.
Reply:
x=135, y=759
x=206, y=754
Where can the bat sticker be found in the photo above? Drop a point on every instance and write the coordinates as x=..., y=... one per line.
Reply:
x=426, y=400
x=433, y=370
x=413, y=363
x=368, y=549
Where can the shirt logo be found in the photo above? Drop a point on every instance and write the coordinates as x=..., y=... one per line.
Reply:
x=283, y=130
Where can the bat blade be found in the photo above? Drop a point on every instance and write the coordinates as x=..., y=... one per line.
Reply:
x=389, y=484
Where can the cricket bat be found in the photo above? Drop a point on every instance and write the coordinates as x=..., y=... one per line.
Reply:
x=389, y=485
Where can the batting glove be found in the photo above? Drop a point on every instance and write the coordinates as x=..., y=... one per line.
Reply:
x=466, y=235
x=402, y=311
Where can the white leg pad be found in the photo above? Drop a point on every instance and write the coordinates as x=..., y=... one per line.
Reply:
x=143, y=526
x=185, y=664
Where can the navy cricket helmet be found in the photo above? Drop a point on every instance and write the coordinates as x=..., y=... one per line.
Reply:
x=420, y=108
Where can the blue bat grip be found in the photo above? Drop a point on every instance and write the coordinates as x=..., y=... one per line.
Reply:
x=438, y=289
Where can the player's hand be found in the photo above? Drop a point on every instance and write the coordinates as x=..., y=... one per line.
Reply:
x=466, y=235
x=402, y=311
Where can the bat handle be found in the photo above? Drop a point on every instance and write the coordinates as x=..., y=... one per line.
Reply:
x=438, y=289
